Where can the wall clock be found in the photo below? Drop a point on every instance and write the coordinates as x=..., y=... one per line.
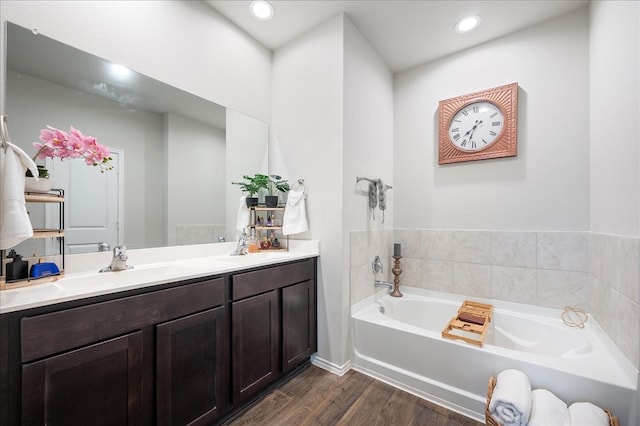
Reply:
x=479, y=125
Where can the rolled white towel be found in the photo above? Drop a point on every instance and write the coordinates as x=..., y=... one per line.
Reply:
x=547, y=409
x=511, y=398
x=587, y=414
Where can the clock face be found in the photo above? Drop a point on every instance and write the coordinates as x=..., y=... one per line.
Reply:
x=476, y=126
x=479, y=126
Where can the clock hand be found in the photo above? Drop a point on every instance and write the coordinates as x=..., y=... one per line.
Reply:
x=473, y=129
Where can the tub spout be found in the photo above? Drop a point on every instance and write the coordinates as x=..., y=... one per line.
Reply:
x=378, y=283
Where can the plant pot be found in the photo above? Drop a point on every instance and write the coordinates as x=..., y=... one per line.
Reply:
x=252, y=201
x=271, y=200
x=42, y=185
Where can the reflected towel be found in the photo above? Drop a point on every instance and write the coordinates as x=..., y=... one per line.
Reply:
x=547, y=409
x=587, y=414
x=511, y=398
x=15, y=225
x=243, y=215
x=295, y=213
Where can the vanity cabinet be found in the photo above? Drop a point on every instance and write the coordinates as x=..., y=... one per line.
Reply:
x=152, y=358
x=273, y=324
x=193, y=352
x=98, y=384
x=255, y=343
x=190, y=369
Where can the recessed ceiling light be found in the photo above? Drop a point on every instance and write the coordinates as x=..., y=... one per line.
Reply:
x=467, y=24
x=261, y=9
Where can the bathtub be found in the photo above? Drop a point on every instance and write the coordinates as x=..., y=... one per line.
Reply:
x=399, y=341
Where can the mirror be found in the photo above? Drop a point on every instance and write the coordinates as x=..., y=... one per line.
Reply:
x=176, y=153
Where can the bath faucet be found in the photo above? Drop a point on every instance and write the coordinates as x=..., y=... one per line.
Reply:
x=378, y=283
x=243, y=246
x=119, y=261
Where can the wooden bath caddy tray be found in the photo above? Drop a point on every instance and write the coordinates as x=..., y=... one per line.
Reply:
x=470, y=324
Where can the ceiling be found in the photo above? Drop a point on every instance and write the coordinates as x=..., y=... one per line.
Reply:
x=404, y=33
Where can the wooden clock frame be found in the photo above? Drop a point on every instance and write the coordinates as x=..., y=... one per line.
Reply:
x=503, y=97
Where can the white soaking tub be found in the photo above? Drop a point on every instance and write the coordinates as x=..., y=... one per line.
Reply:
x=399, y=341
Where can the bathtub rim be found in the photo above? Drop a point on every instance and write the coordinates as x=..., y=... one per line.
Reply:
x=630, y=374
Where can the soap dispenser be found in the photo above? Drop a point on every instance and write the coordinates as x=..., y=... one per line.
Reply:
x=18, y=269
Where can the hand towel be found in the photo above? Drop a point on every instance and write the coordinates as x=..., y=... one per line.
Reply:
x=294, y=220
x=547, y=409
x=587, y=414
x=511, y=398
x=243, y=215
x=15, y=225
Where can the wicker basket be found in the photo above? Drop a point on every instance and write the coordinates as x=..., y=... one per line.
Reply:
x=613, y=420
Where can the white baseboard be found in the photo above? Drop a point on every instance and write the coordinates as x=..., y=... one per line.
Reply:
x=340, y=370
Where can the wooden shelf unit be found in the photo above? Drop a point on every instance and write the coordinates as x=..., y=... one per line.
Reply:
x=277, y=229
x=54, y=196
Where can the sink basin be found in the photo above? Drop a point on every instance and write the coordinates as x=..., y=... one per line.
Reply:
x=115, y=280
x=256, y=257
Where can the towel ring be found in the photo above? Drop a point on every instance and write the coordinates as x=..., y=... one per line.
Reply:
x=299, y=184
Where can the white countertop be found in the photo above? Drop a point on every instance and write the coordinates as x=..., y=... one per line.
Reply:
x=151, y=267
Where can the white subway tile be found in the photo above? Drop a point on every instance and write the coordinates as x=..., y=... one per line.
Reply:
x=557, y=289
x=563, y=251
x=513, y=284
x=472, y=279
x=513, y=249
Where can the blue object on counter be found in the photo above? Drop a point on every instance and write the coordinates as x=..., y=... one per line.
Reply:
x=44, y=269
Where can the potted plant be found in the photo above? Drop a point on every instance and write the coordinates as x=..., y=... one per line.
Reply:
x=275, y=183
x=252, y=185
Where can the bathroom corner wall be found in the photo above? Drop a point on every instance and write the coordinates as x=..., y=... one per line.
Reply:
x=614, y=292
x=614, y=143
x=364, y=246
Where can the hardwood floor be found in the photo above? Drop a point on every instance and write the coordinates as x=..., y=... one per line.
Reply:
x=317, y=397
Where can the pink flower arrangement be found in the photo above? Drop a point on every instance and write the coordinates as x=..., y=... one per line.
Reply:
x=58, y=143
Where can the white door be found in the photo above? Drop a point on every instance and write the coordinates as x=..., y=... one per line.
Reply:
x=92, y=203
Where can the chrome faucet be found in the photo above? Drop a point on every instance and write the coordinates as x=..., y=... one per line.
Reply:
x=243, y=246
x=119, y=261
x=378, y=283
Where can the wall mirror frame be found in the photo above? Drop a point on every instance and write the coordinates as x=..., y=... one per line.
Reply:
x=177, y=153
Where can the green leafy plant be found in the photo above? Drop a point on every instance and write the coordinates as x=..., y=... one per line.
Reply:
x=253, y=184
x=276, y=183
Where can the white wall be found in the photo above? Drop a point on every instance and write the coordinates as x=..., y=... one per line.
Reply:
x=615, y=117
x=368, y=152
x=333, y=121
x=546, y=187
x=307, y=143
x=183, y=43
x=194, y=198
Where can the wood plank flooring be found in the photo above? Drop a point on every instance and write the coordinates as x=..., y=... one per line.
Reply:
x=317, y=397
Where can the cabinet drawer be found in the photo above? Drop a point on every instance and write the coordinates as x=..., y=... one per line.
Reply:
x=55, y=332
x=263, y=280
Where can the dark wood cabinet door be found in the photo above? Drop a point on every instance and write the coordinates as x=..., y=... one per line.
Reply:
x=298, y=324
x=255, y=344
x=101, y=384
x=190, y=369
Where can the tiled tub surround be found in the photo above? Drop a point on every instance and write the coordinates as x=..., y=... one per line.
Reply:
x=549, y=269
